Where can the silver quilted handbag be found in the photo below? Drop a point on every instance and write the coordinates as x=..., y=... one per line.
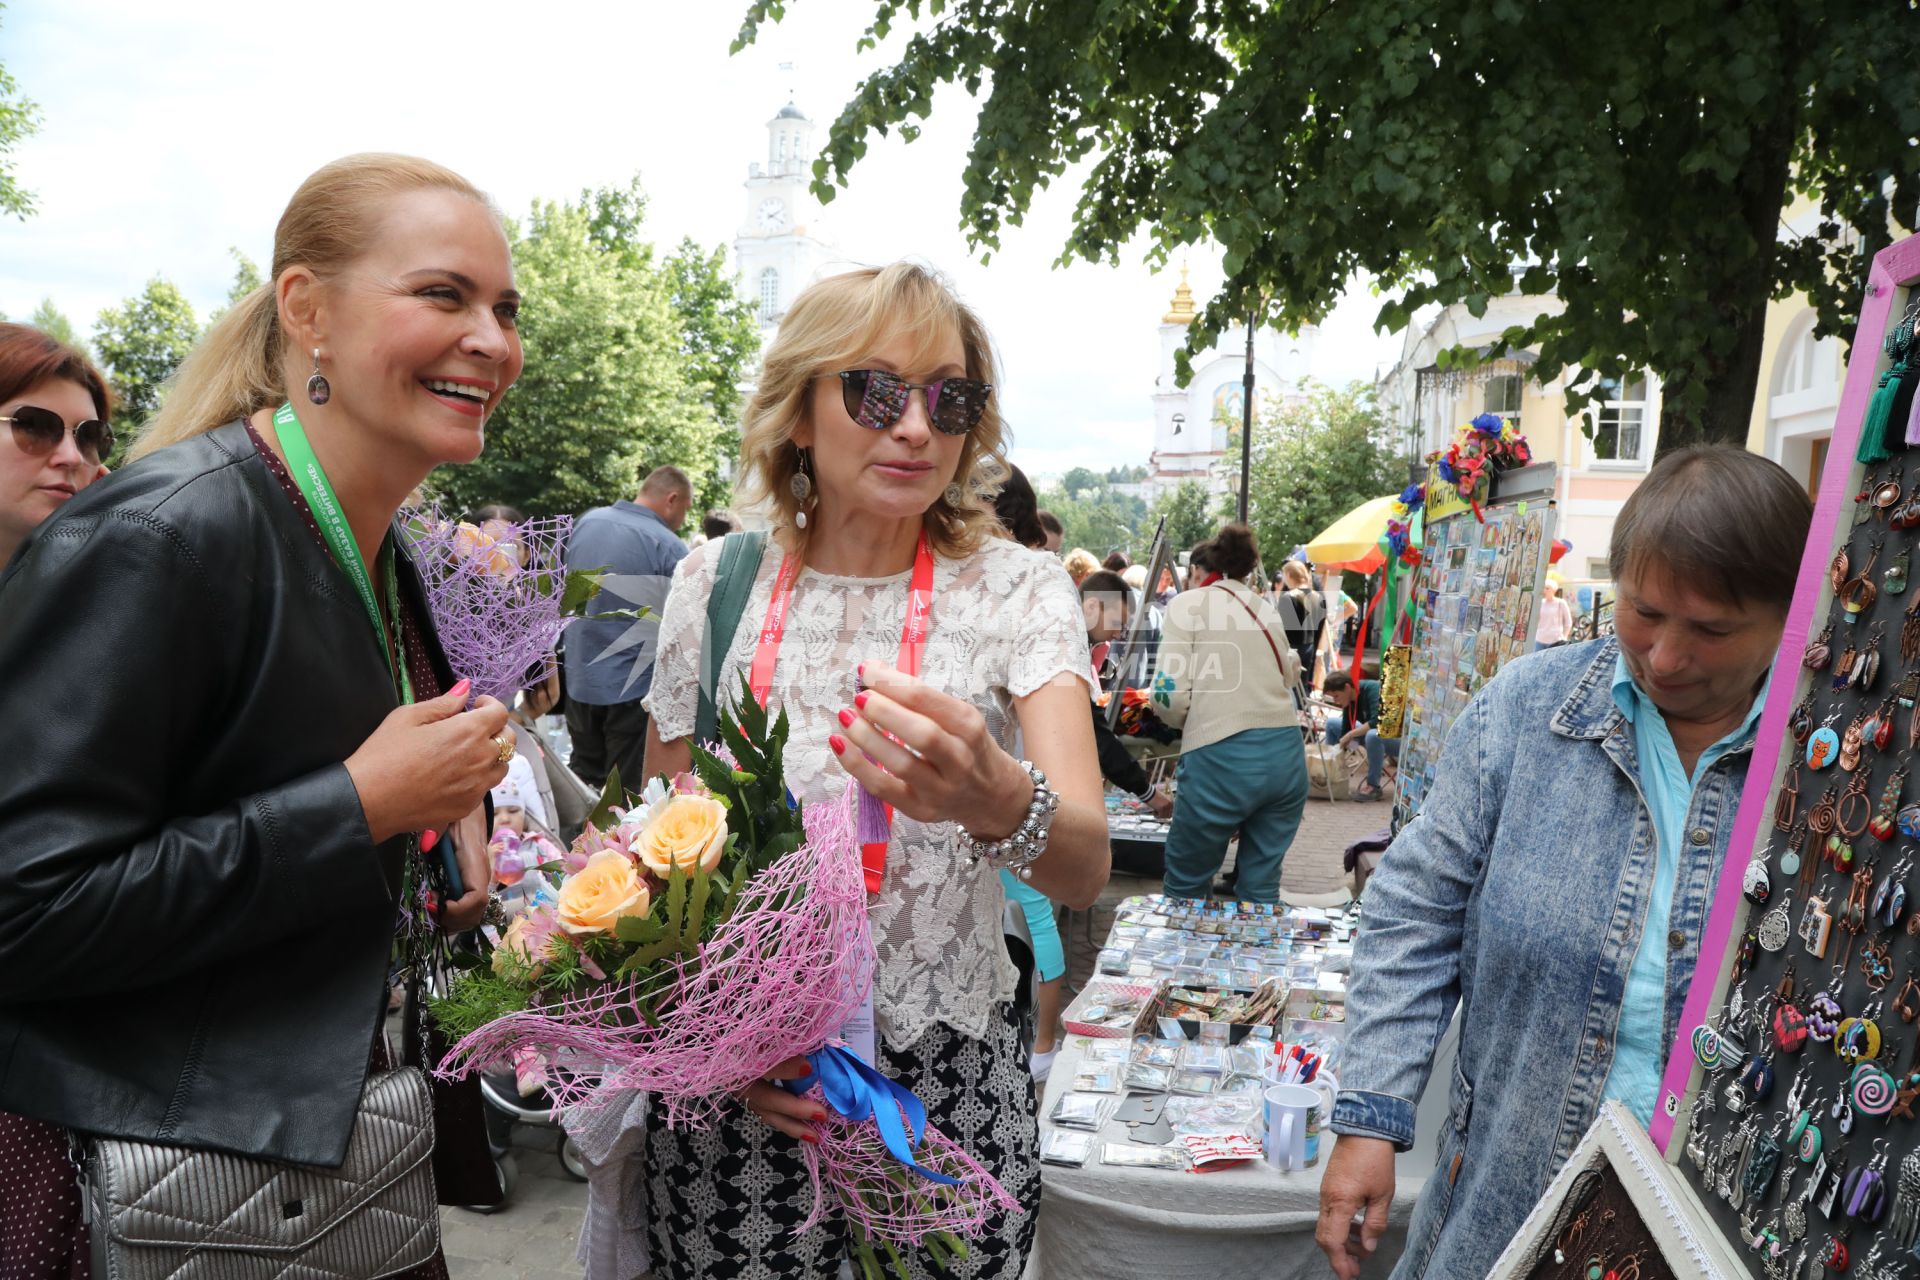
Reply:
x=166, y=1213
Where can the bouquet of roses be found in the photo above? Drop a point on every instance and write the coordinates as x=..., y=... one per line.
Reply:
x=711, y=930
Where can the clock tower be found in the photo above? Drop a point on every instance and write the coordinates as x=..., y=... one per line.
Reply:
x=780, y=247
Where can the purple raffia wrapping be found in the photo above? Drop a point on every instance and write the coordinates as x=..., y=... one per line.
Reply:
x=495, y=592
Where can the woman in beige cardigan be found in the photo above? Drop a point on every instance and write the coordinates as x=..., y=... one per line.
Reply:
x=1226, y=675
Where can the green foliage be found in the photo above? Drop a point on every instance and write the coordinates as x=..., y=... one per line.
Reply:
x=1098, y=519
x=606, y=395
x=1315, y=460
x=48, y=319
x=141, y=342
x=1636, y=160
x=19, y=120
x=246, y=278
x=719, y=331
x=1191, y=513
x=478, y=996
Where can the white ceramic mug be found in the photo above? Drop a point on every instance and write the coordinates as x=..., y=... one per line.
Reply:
x=1294, y=1116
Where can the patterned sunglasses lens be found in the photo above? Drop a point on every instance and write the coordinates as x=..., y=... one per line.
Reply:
x=876, y=400
x=956, y=405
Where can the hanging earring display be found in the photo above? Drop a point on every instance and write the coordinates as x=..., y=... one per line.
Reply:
x=1890, y=899
x=1756, y=885
x=1816, y=930
x=1885, y=819
x=1894, y=580
x=1854, y=811
x=801, y=487
x=1819, y=653
x=1786, y=805
x=956, y=496
x=1823, y=745
x=319, y=391
x=1775, y=928
x=1800, y=724
x=1859, y=593
x=1790, y=856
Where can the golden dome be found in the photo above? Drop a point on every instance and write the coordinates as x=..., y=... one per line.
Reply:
x=1182, y=311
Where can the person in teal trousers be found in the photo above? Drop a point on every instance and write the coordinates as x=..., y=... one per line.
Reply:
x=1226, y=679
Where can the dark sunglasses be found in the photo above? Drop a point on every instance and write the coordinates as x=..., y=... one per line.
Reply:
x=39, y=431
x=877, y=399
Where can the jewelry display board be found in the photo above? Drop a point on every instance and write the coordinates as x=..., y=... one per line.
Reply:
x=1616, y=1205
x=1478, y=592
x=1797, y=1064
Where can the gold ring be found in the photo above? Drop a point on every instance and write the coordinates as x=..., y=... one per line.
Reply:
x=505, y=745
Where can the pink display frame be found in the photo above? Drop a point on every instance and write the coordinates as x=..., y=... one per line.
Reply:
x=1896, y=271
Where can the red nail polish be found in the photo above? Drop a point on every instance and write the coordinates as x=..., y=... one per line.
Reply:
x=861, y=671
x=819, y=1117
x=460, y=690
x=846, y=718
x=428, y=839
x=860, y=700
x=838, y=743
x=814, y=1138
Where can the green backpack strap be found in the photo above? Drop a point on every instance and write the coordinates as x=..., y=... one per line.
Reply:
x=740, y=556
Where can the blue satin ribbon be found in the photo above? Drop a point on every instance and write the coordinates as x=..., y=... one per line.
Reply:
x=857, y=1091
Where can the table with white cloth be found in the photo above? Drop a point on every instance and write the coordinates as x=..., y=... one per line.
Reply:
x=1244, y=1220
x=1249, y=1220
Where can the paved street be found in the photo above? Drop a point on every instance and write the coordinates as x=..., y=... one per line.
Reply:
x=534, y=1237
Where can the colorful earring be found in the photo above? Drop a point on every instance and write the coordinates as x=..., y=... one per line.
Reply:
x=801, y=487
x=319, y=391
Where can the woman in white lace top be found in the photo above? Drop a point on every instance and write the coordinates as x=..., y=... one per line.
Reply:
x=878, y=391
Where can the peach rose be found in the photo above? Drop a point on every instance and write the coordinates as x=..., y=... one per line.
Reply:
x=686, y=832
x=494, y=555
x=608, y=888
x=517, y=944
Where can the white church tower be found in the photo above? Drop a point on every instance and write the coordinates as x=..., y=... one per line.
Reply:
x=1192, y=424
x=781, y=246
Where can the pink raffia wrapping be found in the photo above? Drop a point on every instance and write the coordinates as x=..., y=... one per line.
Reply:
x=853, y=1173
x=778, y=979
x=495, y=594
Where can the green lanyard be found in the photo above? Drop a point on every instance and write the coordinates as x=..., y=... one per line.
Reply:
x=318, y=491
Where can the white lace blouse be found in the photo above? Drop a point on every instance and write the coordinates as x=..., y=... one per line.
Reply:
x=1005, y=621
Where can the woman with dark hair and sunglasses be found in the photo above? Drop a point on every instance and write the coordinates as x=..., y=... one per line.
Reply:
x=871, y=437
x=55, y=405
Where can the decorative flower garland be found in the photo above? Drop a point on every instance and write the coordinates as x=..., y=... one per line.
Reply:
x=1487, y=441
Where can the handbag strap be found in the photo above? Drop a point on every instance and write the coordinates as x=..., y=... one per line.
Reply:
x=740, y=556
x=1261, y=625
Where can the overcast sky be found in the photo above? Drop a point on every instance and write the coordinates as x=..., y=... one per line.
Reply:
x=175, y=131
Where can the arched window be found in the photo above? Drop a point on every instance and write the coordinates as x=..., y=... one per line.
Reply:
x=1804, y=362
x=769, y=293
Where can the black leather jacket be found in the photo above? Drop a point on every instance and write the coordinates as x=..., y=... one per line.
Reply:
x=195, y=923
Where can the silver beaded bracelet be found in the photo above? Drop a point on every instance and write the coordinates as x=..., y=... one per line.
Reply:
x=1018, y=852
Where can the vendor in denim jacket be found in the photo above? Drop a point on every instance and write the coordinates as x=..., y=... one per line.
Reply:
x=1556, y=882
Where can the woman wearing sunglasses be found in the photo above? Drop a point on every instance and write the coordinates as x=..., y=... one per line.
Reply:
x=203, y=854
x=871, y=438
x=54, y=437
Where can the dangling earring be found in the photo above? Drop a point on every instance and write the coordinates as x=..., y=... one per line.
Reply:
x=955, y=495
x=318, y=390
x=801, y=486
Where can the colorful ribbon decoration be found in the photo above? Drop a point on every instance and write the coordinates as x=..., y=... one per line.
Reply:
x=858, y=1092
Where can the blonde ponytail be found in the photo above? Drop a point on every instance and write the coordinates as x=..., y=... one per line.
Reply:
x=238, y=367
x=232, y=371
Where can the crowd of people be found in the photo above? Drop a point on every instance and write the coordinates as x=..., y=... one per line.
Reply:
x=236, y=741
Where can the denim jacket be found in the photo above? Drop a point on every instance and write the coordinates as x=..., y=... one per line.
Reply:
x=1520, y=890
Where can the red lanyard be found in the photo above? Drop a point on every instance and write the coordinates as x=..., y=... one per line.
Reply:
x=913, y=642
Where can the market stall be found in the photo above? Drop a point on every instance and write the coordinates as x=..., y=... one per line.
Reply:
x=1475, y=605
x=1130, y=1122
x=1790, y=1088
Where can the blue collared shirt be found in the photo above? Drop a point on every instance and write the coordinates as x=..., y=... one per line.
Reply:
x=611, y=661
x=1640, y=1051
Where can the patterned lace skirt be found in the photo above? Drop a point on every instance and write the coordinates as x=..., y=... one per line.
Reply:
x=726, y=1200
